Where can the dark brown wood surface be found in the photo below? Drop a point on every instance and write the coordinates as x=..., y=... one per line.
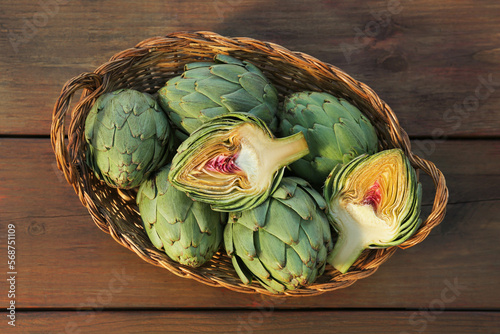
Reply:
x=437, y=64
x=265, y=320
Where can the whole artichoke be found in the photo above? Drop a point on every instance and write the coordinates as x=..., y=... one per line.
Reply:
x=189, y=232
x=209, y=89
x=374, y=202
x=233, y=162
x=283, y=242
x=335, y=130
x=128, y=137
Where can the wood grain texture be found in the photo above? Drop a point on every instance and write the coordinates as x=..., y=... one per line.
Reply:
x=266, y=320
x=435, y=63
x=64, y=260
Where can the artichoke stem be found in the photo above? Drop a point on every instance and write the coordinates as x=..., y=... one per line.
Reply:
x=284, y=151
x=354, y=236
x=346, y=251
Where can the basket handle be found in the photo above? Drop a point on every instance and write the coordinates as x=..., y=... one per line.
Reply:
x=440, y=200
x=91, y=83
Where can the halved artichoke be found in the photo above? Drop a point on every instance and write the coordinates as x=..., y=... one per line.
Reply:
x=233, y=162
x=374, y=202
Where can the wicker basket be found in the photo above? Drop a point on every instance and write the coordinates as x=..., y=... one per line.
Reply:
x=146, y=68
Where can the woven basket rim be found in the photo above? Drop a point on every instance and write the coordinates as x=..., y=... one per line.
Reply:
x=69, y=155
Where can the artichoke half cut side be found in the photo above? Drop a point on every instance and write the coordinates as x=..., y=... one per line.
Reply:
x=233, y=162
x=374, y=202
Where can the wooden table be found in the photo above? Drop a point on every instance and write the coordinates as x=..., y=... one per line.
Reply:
x=436, y=63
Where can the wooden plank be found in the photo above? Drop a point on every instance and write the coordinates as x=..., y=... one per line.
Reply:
x=64, y=260
x=439, y=82
x=266, y=320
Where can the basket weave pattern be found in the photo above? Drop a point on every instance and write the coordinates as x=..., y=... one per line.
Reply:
x=146, y=68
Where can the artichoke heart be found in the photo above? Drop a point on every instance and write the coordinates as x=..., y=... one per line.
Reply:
x=374, y=202
x=233, y=162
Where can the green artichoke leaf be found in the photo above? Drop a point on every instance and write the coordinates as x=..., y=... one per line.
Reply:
x=261, y=111
x=287, y=188
x=182, y=86
x=89, y=124
x=346, y=140
x=149, y=208
x=233, y=162
x=316, y=232
x=191, y=232
x=196, y=70
x=137, y=125
x=153, y=235
x=200, y=64
x=370, y=136
x=295, y=265
x=178, y=212
x=305, y=252
x=99, y=162
x=214, y=88
x=190, y=124
x=353, y=111
x=252, y=219
x=260, y=272
x=203, y=220
x=254, y=84
x=144, y=154
x=374, y=202
x=270, y=95
x=227, y=59
x=318, y=198
x=304, y=206
x=125, y=143
x=229, y=72
x=115, y=119
x=238, y=101
x=103, y=139
x=168, y=233
x=287, y=226
x=193, y=104
x=228, y=239
x=318, y=137
x=243, y=242
x=209, y=113
x=241, y=270
x=341, y=109
x=270, y=250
